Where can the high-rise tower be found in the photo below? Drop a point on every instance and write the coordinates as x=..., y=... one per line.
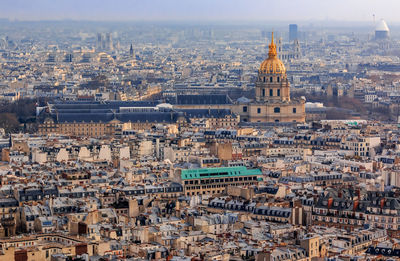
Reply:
x=109, y=42
x=99, y=40
x=293, y=34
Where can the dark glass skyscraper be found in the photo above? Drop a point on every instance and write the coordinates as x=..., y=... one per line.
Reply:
x=293, y=32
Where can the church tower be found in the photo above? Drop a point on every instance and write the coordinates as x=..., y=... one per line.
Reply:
x=272, y=84
x=131, y=51
x=296, y=47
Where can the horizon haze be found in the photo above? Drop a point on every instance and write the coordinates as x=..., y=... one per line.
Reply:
x=206, y=10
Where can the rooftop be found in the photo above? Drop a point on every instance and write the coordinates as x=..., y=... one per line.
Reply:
x=218, y=172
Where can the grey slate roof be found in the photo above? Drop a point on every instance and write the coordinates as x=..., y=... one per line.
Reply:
x=203, y=99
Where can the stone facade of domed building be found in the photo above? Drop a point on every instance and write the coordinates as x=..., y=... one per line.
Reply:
x=273, y=102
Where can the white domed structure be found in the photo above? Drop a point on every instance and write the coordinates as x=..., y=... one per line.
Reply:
x=381, y=30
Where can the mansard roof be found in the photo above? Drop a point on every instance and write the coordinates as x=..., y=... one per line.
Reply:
x=212, y=99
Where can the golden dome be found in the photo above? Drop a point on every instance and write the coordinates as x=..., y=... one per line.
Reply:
x=272, y=65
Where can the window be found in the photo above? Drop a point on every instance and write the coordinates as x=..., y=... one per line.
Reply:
x=276, y=120
x=271, y=92
x=277, y=79
x=278, y=93
x=270, y=79
x=265, y=79
x=294, y=110
x=258, y=110
x=244, y=108
x=277, y=110
x=263, y=92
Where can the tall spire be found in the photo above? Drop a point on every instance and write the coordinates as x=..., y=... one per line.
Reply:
x=272, y=48
x=272, y=37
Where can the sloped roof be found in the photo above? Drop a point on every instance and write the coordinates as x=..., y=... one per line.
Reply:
x=382, y=26
x=203, y=99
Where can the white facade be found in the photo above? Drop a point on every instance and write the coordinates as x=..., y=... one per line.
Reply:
x=361, y=146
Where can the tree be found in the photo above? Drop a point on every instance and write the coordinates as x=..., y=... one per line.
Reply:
x=98, y=81
x=9, y=122
x=12, y=114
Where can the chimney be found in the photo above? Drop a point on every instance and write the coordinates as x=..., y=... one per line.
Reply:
x=330, y=202
x=355, y=205
x=382, y=202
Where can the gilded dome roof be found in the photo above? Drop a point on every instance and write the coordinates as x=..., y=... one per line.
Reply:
x=272, y=65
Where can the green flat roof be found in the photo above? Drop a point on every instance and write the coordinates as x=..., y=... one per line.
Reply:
x=218, y=172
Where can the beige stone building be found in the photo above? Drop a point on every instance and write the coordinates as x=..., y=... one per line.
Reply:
x=92, y=129
x=208, y=181
x=273, y=102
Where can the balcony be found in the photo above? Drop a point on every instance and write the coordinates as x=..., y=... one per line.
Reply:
x=329, y=214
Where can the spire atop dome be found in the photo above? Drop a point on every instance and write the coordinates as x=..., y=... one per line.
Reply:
x=272, y=65
x=272, y=48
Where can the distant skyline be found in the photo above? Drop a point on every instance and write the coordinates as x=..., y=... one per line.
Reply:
x=202, y=10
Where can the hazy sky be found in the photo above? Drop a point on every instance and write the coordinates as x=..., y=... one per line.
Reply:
x=220, y=10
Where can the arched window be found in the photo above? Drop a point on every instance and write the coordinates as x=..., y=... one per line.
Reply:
x=263, y=92
x=278, y=93
x=270, y=79
x=271, y=92
x=277, y=79
x=264, y=79
x=277, y=110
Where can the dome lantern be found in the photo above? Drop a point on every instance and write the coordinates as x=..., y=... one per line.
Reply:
x=272, y=48
x=272, y=65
